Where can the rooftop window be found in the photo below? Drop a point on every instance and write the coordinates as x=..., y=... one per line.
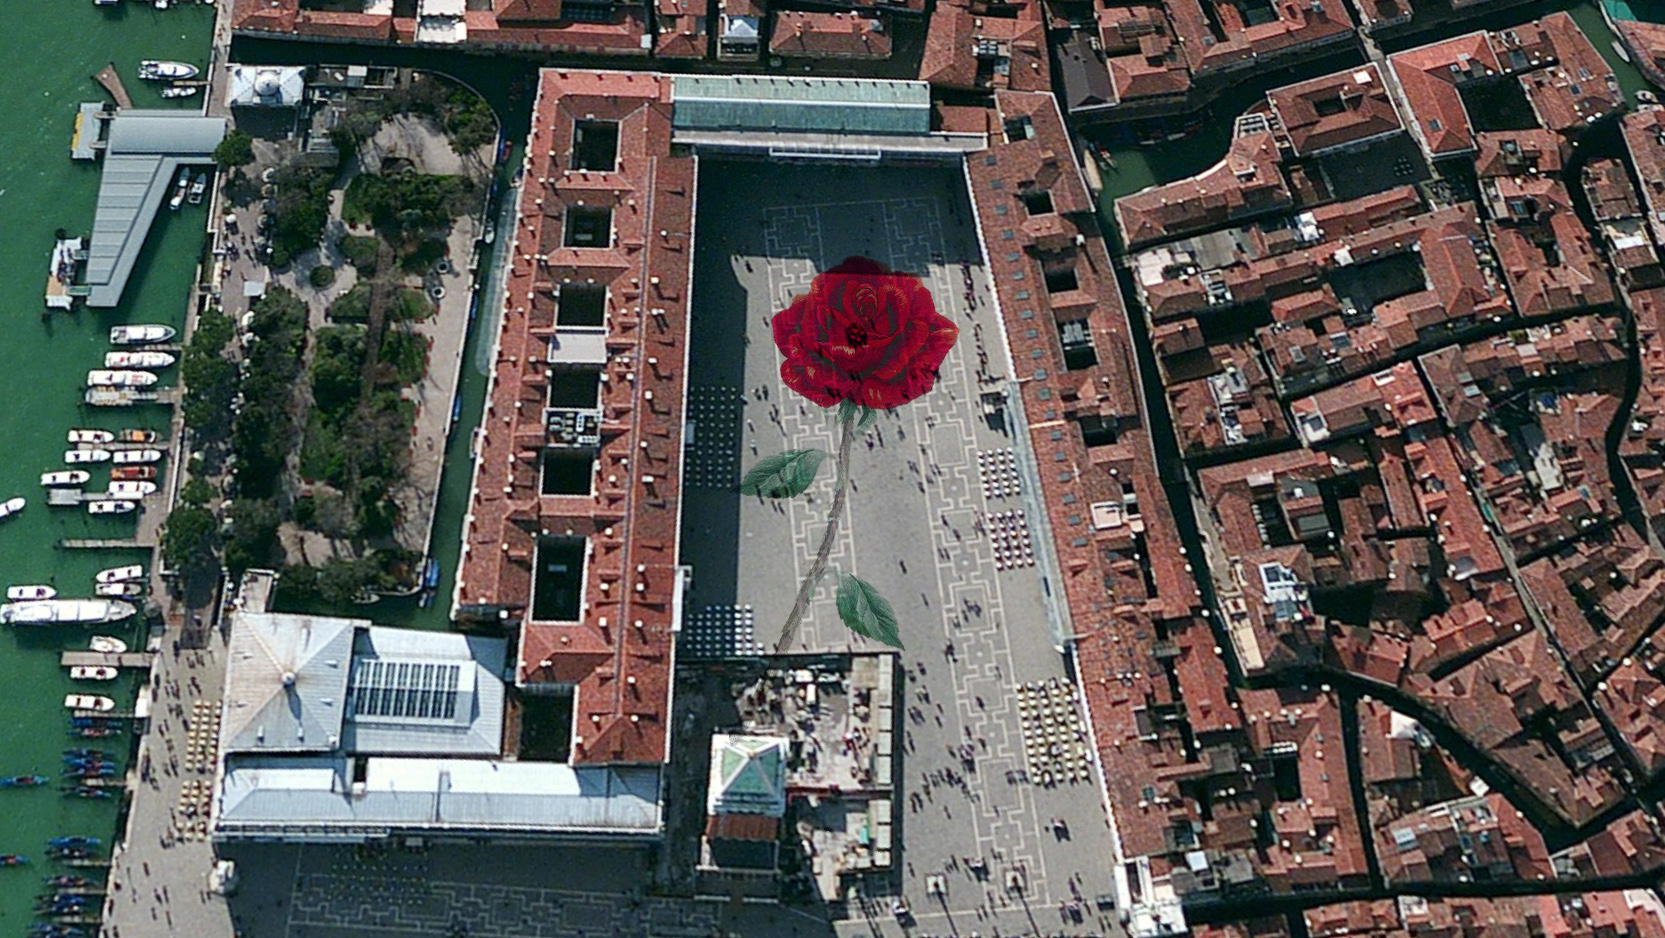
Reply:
x=581, y=304
x=1037, y=201
x=588, y=227
x=575, y=388
x=558, y=579
x=595, y=145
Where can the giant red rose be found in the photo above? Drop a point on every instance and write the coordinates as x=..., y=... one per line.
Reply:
x=865, y=334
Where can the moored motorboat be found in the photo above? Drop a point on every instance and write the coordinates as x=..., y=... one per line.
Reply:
x=96, y=437
x=199, y=184
x=23, y=781
x=95, y=732
x=159, y=70
x=136, y=435
x=113, y=378
x=132, y=473
x=11, y=506
x=179, y=190
x=111, y=506
x=23, y=594
x=130, y=360
x=180, y=91
x=90, y=702
x=65, y=477
x=12, y=859
x=143, y=334
x=120, y=574
x=132, y=489
x=136, y=457
x=78, y=456
x=107, y=644
x=93, y=672
x=120, y=590
x=68, y=611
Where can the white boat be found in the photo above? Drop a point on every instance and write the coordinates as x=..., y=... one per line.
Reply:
x=89, y=702
x=126, y=360
x=11, y=506
x=119, y=590
x=142, y=334
x=111, y=507
x=107, y=645
x=77, y=456
x=199, y=186
x=108, y=378
x=133, y=457
x=179, y=190
x=49, y=611
x=158, y=70
x=66, y=477
x=131, y=489
x=91, y=436
x=180, y=91
x=120, y=574
x=22, y=594
x=93, y=672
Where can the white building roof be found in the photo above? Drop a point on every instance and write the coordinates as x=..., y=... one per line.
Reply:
x=265, y=86
x=263, y=794
x=286, y=682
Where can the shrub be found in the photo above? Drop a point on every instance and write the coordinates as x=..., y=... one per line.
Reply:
x=352, y=306
x=410, y=305
x=423, y=256
x=321, y=276
x=406, y=354
x=361, y=253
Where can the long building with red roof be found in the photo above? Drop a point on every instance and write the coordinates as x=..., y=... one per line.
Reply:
x=589, y=371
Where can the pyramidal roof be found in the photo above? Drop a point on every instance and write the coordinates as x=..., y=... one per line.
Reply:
x=748, y=775
x=286, y=682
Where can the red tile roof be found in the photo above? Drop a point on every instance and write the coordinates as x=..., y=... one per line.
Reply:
x=618, y=657
x=951, y=57
x=1427, y=78
x=1247, y=182
x=1579, y=88
x=1335, y=110
x=829, y=35
x=514, y=25
x=1517, y=152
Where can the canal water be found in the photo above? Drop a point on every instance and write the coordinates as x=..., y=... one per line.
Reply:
x=55, y=46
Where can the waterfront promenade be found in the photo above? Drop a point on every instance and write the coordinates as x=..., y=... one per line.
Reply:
x=159, y=878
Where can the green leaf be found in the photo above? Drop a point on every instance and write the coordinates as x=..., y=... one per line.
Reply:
x=869, y=416
x=866, y=612
x=784, y=475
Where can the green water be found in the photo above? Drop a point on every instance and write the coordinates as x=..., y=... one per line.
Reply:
x=53, y=47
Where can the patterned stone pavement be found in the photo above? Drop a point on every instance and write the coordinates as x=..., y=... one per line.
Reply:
x=923, y=519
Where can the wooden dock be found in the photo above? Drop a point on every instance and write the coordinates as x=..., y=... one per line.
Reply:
x=100, y=543
x=111, y=80
x=116, y=782
x=142, y=660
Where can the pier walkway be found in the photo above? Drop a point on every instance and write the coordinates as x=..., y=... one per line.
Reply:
x=111, y=80
x=101, y=543
x=127, y=659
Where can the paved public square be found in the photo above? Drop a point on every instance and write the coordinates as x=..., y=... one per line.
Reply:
x=939, y=521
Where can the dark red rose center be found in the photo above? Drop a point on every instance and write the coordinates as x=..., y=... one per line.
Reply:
x=855, y=335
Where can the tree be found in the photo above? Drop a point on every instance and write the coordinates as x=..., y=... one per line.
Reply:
x=342, y=580
x=252, y=538
x=196, y=493
x=189, y=541
x=237, y=149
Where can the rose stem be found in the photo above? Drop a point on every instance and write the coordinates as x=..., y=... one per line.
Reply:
x=799, y=608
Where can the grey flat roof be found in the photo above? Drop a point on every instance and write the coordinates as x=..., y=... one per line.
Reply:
x=306, y=795
x=768, y=102
x=144, y=153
